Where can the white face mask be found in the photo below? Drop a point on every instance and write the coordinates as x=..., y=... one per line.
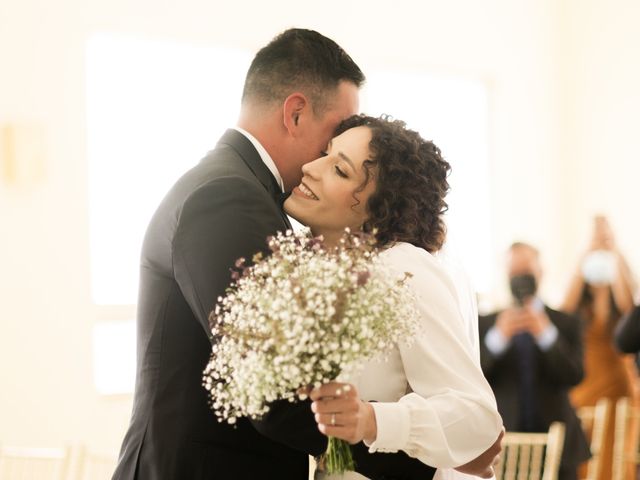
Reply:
x=599, y=267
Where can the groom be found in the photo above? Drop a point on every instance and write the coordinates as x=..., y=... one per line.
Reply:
x=297, y=90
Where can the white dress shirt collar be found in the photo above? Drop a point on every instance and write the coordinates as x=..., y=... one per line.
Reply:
x=264, y=155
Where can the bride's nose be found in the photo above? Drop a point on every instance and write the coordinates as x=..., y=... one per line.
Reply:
x=311, y=169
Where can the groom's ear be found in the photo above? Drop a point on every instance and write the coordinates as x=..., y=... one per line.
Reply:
x=295, y=106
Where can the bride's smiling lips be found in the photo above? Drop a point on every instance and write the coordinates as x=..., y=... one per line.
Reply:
x=305, y=191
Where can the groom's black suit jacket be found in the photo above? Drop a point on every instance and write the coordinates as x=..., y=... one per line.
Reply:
x=219, y=211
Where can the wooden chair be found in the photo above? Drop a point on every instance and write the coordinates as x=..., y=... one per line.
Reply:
x=531, y=456
x=625, y=442
x=26, y=463
x=93, y=466
x=595, y=422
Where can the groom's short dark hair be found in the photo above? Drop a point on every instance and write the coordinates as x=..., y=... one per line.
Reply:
x=299, y=60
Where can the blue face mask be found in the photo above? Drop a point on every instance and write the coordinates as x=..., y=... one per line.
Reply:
x=599, y=268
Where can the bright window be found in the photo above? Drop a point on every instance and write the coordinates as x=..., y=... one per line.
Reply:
x=114, y=357
x=453, y=112
x=154, y=108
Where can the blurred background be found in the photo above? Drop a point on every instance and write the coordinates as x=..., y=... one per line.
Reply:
x=103, y=104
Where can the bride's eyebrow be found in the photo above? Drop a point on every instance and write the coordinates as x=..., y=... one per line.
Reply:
x=347, y=159
x=342, y=156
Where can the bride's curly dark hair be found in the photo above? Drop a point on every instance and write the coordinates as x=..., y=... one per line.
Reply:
x=411, y=184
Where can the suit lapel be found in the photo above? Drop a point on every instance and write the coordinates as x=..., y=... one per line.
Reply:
x=251, y=158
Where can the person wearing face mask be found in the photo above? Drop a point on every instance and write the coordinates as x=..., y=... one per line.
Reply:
x=600, y=293
x=532, y=355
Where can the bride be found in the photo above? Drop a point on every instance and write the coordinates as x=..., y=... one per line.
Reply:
x=429, y=400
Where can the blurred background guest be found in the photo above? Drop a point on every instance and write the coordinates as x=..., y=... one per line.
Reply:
x=627, y=334
x=531, y=355
x=600, y=293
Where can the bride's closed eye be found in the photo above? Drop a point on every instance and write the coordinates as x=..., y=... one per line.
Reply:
x=340, y=172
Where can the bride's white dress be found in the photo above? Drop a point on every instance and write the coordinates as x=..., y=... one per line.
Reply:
x=431, y=398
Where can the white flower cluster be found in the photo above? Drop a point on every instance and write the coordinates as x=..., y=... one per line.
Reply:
x=301, y=316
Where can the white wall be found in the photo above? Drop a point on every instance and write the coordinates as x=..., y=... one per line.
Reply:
x=562, y=83
x=602, y=153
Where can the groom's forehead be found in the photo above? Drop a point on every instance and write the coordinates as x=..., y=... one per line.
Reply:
x=344, y=101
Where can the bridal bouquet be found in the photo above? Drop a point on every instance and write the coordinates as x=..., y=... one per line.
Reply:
x=299, y=317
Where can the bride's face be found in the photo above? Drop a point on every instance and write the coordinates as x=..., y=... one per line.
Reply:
x=331, y=195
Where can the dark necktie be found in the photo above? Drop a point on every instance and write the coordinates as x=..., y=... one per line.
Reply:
x=281, y=197
x=525, y=348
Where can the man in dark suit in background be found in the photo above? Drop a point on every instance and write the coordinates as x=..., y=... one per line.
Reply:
x=297, y=90
x=532, y=356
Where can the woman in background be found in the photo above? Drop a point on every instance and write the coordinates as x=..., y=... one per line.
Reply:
x=601, y=292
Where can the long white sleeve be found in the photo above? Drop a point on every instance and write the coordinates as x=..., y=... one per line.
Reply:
x=449, y=415
x=469, y=310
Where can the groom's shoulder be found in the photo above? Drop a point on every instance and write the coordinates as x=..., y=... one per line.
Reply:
x=223, y=189
x=208, y=188
x=222, y=170
x=222, y=161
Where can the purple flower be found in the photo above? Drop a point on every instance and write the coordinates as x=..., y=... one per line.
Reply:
x=363, y=277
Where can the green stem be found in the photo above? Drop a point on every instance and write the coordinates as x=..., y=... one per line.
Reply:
x=338, y=458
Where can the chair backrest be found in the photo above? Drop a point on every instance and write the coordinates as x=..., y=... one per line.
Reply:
x=26, y=463
x=93, y=466
x=595, y=423
x=625, y=442
x=531, y=456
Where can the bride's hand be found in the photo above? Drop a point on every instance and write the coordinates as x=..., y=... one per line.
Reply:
x=340, y=413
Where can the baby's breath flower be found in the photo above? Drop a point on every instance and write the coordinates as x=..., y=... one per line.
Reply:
x=300, y=317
